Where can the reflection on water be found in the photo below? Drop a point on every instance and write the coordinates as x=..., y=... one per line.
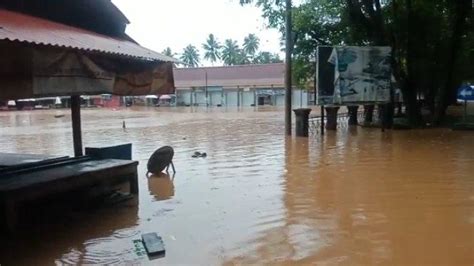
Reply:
x=161, y=186
x=358, y=196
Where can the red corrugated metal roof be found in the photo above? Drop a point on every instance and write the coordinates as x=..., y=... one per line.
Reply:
x=231, y=76
x=17, y=27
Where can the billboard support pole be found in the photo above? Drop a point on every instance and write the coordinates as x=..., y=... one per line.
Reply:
x=322, y=119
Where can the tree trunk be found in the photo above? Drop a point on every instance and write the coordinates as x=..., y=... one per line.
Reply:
x=459, y=28
x=408, y=88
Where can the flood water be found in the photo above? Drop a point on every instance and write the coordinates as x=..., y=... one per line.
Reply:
x=353, y=197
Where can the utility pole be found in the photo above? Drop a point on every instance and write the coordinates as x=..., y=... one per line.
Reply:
x=207, y=95
x=288, y=78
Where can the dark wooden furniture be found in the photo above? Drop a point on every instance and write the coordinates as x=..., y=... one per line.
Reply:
x=43, y=181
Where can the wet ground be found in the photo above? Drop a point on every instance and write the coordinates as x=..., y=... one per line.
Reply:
x=355, y=197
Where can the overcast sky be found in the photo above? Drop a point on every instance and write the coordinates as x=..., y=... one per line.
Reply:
x=177, y=23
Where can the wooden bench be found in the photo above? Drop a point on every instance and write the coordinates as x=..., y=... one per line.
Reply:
x=43, y=182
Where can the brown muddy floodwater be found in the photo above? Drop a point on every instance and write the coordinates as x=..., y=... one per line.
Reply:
x=355, y=197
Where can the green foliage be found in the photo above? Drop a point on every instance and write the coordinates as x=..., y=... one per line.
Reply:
x=431, y=41
x=212, y=49
x=266, y=58
x=251, y=44
x=168, y=52
x=190, y=56
x=231, y=54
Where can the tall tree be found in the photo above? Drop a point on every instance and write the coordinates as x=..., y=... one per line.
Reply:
x=190, y=56
x=212, y=49
x=429, y=40
x=243, y=58
x=251, y=44
x=231, y=52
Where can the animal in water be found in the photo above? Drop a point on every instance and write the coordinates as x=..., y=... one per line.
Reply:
x=160, y=160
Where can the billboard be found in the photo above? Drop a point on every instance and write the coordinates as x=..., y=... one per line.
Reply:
x=361, y=75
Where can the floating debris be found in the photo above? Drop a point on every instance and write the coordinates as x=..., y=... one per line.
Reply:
x=199, y=155
x=58, y=116
x=139, y=248
x=153, y=244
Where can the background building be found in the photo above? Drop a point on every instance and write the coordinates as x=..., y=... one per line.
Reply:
x=242, y=85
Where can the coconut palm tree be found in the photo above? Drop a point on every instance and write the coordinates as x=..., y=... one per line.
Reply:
x=262, y=58
x=266, y=58
x=212, y=49
x=190, y=56
x=230, y=52
x=251, y=44
x=243, y=58
x=168, y=52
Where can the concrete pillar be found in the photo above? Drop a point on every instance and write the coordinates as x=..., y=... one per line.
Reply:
x=368, y=114
x=352, y=110
x=302, y=121
x=331, y=112
x=381, y=111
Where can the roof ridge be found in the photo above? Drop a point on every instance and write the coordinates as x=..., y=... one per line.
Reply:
x=232, y=66
x=26, y=28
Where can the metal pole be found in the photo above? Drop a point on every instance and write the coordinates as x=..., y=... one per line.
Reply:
x=76, y=124
x=288, y=78
x=207, y=96
x=316, y=81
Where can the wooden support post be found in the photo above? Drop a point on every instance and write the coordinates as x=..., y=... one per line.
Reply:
x=288, y=78
x=76, y=124
x=322, y=120
x=134, y=184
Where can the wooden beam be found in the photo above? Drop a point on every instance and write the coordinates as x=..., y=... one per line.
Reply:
x=76, y=125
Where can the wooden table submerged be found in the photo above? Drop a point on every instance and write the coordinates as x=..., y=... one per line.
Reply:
x=40, y=183
x=12, y=159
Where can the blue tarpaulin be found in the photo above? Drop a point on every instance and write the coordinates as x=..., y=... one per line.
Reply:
x=466, y=93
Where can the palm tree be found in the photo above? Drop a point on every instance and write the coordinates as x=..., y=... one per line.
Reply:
x=168, y=52
x=190, y=56
x=212, y=49
x=276, y=59
x=243, y=58
x=251, y=44
x=262, y=58
x=266, y=58
x=230, y=52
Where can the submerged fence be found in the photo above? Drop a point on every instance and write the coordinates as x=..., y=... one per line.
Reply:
x=342, y=121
